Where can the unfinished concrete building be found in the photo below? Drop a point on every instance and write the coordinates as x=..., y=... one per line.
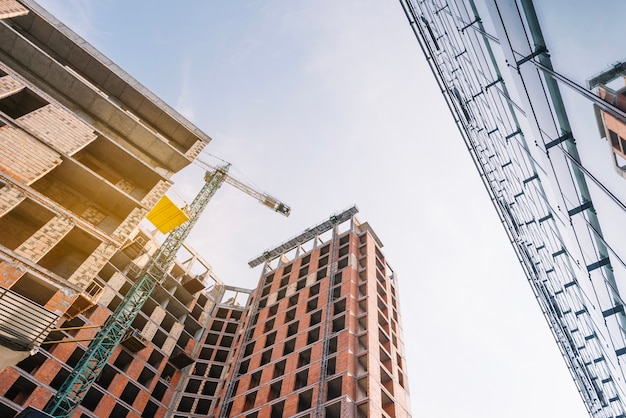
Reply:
x=322, y=335
x=145, y=372
x=85, y=152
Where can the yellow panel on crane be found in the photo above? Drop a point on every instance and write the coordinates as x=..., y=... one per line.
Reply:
x=165, y=215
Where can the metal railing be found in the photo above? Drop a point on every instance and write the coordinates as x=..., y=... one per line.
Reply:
x=24, y=324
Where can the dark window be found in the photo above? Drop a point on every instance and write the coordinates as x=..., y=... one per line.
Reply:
x=266, y=357
x=129, y=393
x=250, y=399
x=277, y=410
x=255, y=379
x=313, y=336
x=275, y=390
x=289, y=346
x=304, y=400
x=221, y=355
x=279, y=368
x=301, y=379
x=249, y=349
x=316, y=318
x=216, y=371
x=243, y=367
x=304, y=357
x=614, y=139
x=270, y=339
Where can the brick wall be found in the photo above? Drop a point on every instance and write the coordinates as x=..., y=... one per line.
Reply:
x=93, y=215
x=92, y=265
x=61, y=300
x=195, y=149
x=129, y=224
x=38, y=244
x=10, y=197
x=11, y=8
x=58, y=128
x=156, y=193
x=24, y=158
x=8, y=85
x=9, y=274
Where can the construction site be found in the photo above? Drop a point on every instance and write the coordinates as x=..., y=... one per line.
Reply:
x=103, y=316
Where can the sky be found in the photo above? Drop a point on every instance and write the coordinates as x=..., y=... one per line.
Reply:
x=327, y=104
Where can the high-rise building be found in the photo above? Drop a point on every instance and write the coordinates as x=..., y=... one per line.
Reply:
x=537, y=92
x=142, y=375
x=321, y=337
x=85, y=153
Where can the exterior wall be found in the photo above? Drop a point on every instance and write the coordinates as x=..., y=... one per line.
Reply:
x=81, y=161
x=11, y=8
x=139, y=379
x=203, y=385
x=524, y=103
x=196, y=354
x=323, y=334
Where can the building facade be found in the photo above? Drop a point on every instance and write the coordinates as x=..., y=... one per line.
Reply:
x=142, y=376
x=323, y=336
x=85, y=152
x=536, y=89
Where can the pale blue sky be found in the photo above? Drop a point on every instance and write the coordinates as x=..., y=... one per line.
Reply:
x=329, y=103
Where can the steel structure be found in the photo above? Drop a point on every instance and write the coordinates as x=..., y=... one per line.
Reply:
x=88, y=368
x=320, y=411
x=264, y=198
x=516, y=127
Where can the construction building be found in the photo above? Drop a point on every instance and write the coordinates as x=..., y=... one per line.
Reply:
x=142, y=375
x=321, y=336
x=528, y=83
x=85, y=153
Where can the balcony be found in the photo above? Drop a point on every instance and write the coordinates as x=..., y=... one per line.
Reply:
x=24, y=324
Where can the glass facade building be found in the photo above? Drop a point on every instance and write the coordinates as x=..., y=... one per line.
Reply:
x=537, y=90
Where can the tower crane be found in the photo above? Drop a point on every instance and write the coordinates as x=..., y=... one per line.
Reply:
x=262, y=197
x=88, y=368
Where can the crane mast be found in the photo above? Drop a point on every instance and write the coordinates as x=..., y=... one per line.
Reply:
x=88, y=368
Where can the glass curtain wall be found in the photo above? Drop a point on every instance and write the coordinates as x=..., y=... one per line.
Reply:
x=538, y=92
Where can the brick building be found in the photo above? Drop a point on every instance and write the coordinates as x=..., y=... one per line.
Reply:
x=610, y=86
x=143, y=373
x=322, y=336
x=85, y=152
